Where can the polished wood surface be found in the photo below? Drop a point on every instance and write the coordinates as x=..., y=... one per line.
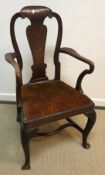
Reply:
x=41, y=100
x=52, y=97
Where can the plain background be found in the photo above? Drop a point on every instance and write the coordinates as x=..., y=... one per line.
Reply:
x=83, y=30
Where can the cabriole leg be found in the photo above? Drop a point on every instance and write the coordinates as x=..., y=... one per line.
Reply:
x=90, y=123
x=26, y=149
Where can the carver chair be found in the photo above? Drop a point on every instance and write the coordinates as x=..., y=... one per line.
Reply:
x=41, y=100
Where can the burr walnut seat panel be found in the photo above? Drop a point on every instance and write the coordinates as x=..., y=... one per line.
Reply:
x=50, y=97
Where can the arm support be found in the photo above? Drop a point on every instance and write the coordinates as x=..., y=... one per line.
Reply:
x=10, y=58
x=74, y=54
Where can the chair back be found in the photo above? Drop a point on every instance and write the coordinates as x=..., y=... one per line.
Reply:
x=36, y=34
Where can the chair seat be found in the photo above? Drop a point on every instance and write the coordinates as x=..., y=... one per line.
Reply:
x=51, y=97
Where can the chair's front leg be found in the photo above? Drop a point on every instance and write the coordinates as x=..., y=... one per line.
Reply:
x=18, y=97
x=26, y=149
x=18, y=114
x=90, y=123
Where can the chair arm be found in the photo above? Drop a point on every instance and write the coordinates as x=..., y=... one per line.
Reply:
x=10, y=58
x=76, y=55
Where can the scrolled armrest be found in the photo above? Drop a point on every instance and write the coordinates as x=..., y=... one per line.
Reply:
x=10, y=58
x=76, y=55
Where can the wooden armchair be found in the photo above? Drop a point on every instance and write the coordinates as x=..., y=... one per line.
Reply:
x=41, y=101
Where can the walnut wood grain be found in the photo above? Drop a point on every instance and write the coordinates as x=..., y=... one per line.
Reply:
x=36, y=34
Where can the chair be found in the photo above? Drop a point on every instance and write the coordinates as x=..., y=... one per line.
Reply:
x=41, y=100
